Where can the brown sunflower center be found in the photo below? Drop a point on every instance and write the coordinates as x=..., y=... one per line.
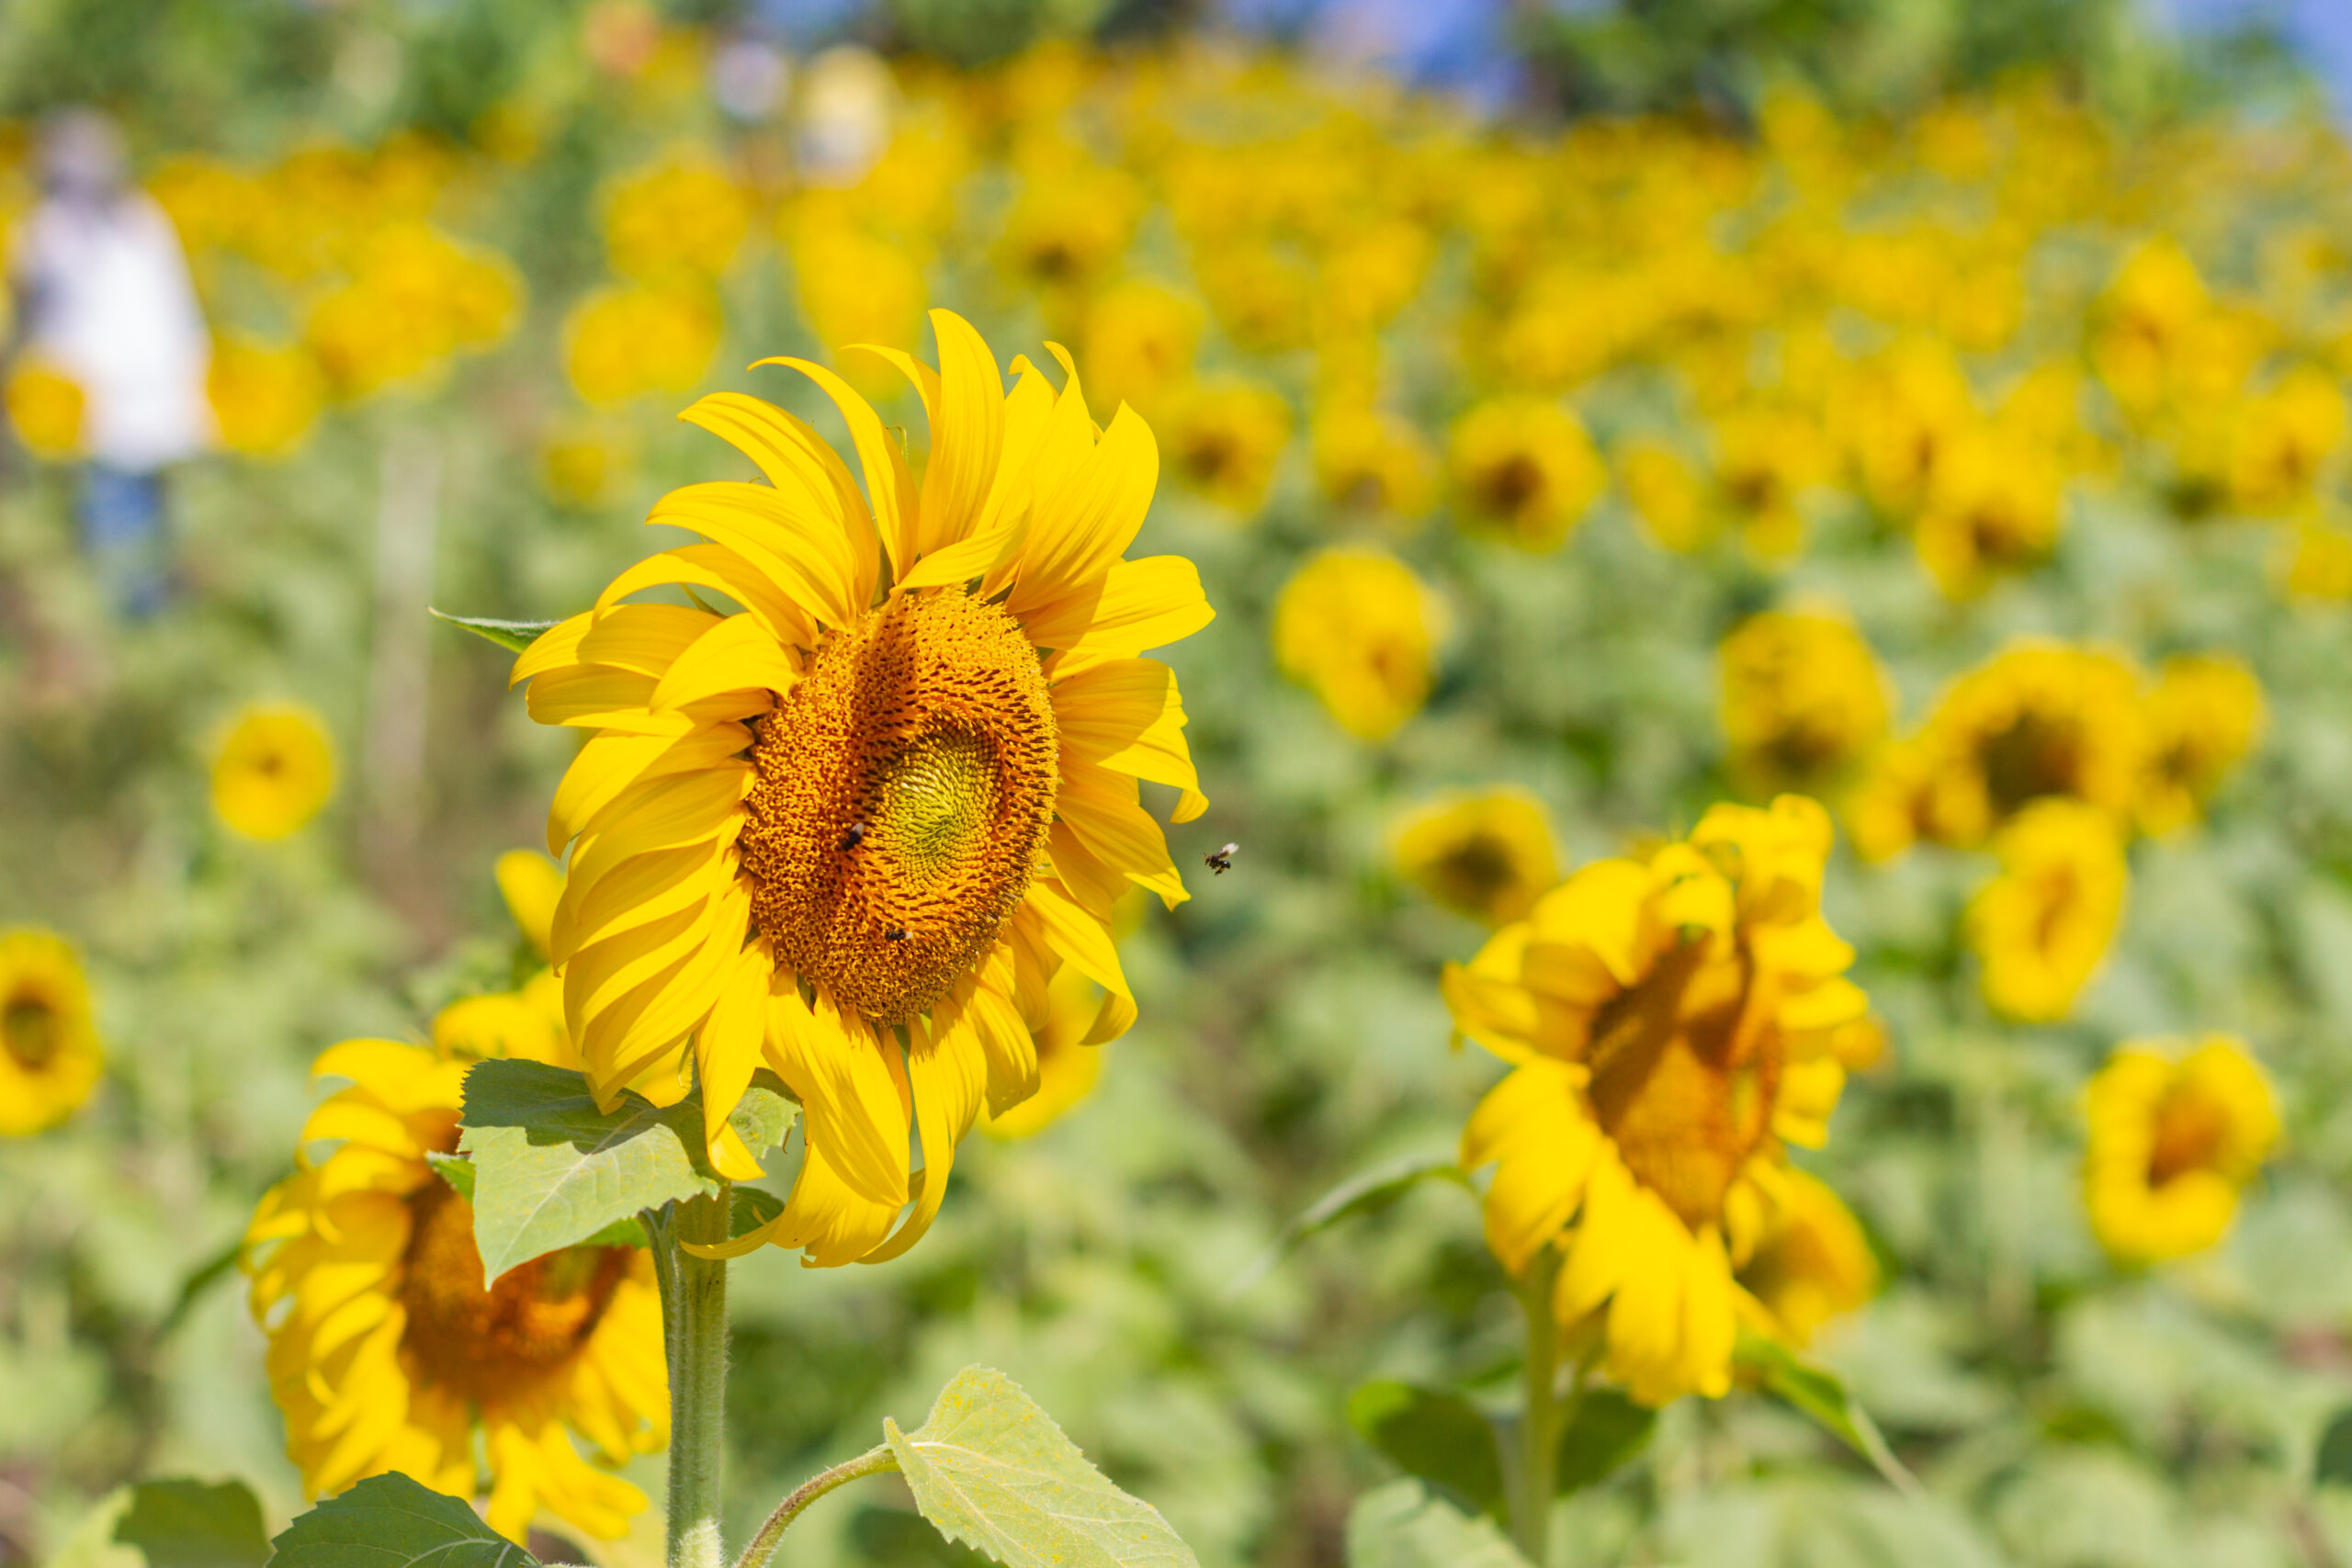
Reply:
x=30, y=1032
x=1478, y=871
x=2034, y=756
x=1513, y=485
x=2190, y=1128
x=904, y=792
x=485, y=1343
x=1685, y=1070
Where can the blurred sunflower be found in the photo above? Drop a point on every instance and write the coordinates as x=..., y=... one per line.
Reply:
x=847, y=829
x=1670, y=1021
x=1068, y=1067
x=1523, y=469
x=1224, y=435
x=50, y=1054
x=2204, y=712
x=618, y=342
x=264, y=398
x=1811, y=1262
x=1803, y=697
x=275, y=769
x=2041, y=926
x=1140, y=338
x=1370, y=460
x=1992, y=507
x=1488, y=856
x=2175, y=1133
x=1357, y=628
x=47, y=406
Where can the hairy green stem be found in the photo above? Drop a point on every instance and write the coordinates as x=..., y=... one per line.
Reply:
x=877, y=1460
x=694, y=1332
x=1539, y=1430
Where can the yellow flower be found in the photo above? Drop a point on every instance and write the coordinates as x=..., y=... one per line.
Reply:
x=581, y=461
x=1670, y=1023
x=532, y=885
x=1140, y=338
x=682, y=218
x=1524, y=468
x=1811, y=1262
x=1668, y=494
x=619, y=343
x=2283, y=439
x=275, y=769
x=1224, y=435
x=387, y=1352
x=1488, y=856
x=264, y=399
x=2205, y=712
x=1071, y=220
x=1804, y=698
x=2041, y=926
x=1370, y=460
x=1067, y=1068
x=1899, y=414
x=418, y=299
x=45, y=407
x=842, y=831
x=50, y=1054
x=1358, y=630
x=1765, y=457
x=2175, y=1133
x=1993, y=506
x=857, y=289
x=2317, y=562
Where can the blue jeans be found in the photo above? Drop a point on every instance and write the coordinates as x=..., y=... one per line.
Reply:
x=123, y=533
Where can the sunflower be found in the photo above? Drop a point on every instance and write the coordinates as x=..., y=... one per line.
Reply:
x=1067, y=1068
x=273, y=771
x=1488, y=856
x=2205, y=712
x=1803, y=697
x=1357, y=628
x=1670, y=1020
x=1141, y=337
x=2041, y=926
x=2175, y=1133
x=1224, y=435
x=1523, y=469
x=1372, y=461
x=50, y=1054
x=851, y=829
x=1993, y=507
x=1811, y=1262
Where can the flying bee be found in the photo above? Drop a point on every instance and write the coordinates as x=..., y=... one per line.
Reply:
x=850, y=839
x=1221, y=861
x=896, y=933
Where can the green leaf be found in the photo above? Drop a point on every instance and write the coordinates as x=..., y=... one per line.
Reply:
x=552, y=1170
x=456, y=1171
x=990, y=1469
x=390, y=1521
x=1402, y=1525
x=1366, y=1192
x=190, y=1524
x=1821, y=1394
x=753, y=1207
x=1441, y=1438
x=2332, y=1464
x=514, y=635
x=1605, y=1431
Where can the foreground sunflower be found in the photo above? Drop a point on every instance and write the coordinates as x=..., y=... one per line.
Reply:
x=50, y=1054
x=2175, y=1133
x=1671, y=1021
x=846, y=829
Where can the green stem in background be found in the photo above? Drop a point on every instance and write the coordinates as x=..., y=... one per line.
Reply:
x=1539, y=1430
x=694, y=1332
x=878, y=1460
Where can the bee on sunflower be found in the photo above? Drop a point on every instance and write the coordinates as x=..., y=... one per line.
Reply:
x=853, y=830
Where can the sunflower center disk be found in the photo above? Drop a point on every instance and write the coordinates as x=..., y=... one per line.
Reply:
x=485, y=1343
x=1682, y=1082
x=904, y=794
x=28, y=1032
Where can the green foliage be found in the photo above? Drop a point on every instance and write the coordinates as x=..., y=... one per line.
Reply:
x=391, y=1522
x=193, y=1524
x=1822, y=1396
x=514, y=635
x=1368, y=1193
x=553, y=1171
x=990, y=1469
x=1402, y=1525
x=1605, y=1432
x=2332, y=1465
x=1441, y=1438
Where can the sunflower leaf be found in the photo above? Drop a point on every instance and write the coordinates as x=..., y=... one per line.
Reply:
x=191, y=1524
x=553, y=1171
x=1605, y=1431
x=1405, y=1525
x=456, y=1171
x=391, y=1522
x=1366, y=1192
x=1821, y=1395
x=514, y=635
x=1441, y=1438
x=990, y=1469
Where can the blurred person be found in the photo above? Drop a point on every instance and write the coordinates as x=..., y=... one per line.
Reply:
x=102, y=294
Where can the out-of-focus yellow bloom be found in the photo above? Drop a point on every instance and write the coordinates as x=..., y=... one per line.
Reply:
x=45, y=405
x=275, y=769
x=2162, y=341
x=419, y=299
x=1071, y=220
x=50, y=1054
x=2283, y=439
x=2041, y=926
x=1263, y=296
x=855, y=288
x=623, y=342
x=1811, y=1263
x=1804, y=698
x=1369, y=275
x=2317, y=562
x=581, y=461
x=1523, y=469
x=1140, y=338
x=1899, y=414
x=1358, y=630
x=264, y=398
x=1670, y=1023
x=1667, y=493
x=1488, y=855
x=2175, y=1133
x=2204, y=713
x=1765, y=459
x=1992, y=506
x=1067, y=1068
x=1224, y=437
x=1370, y=460
x=680, y=219
x=531, y=884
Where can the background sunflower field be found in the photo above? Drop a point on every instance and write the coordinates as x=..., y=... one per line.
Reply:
x=1581, y=413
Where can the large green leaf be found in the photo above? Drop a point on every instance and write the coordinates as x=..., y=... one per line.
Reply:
x=1401, y=1525
x=990, y=1469
x=1366, y=1192
x=1820, y=1394
x=1605, y=1431
x=391, y=1522
x=551, y=1171
x=1441, y=1438
x=514, y=635
x=192, y=1524
x=2332, y=1465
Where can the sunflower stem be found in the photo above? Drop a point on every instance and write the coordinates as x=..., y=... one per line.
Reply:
x=694, y=1332
x=877, y=1460
x=1539, y=1430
